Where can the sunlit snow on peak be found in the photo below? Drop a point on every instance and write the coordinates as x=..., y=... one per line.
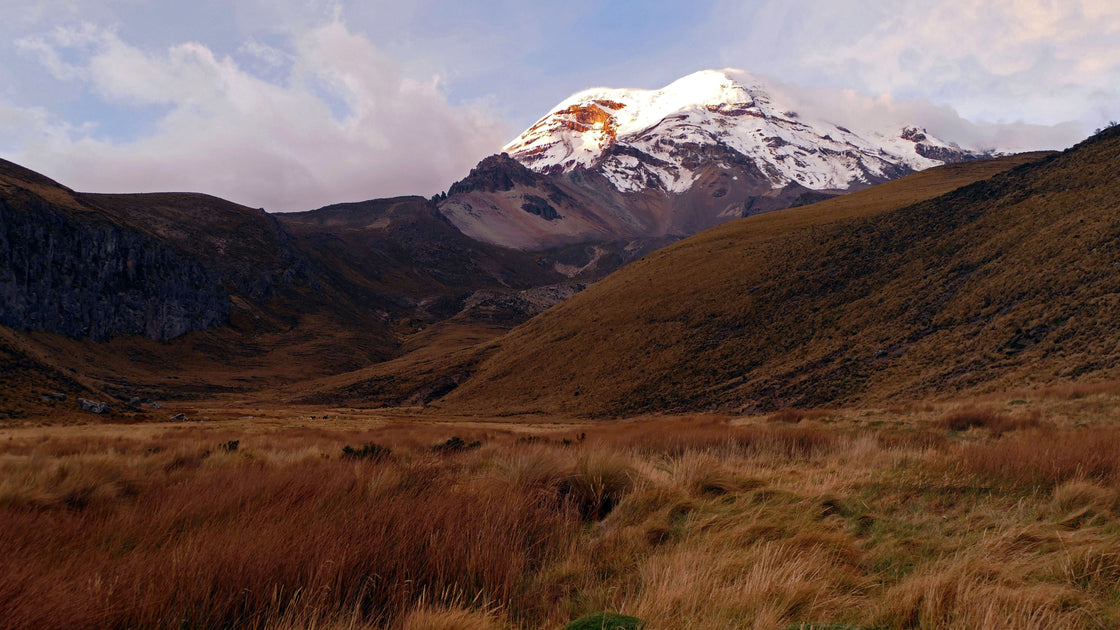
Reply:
x=732, y=110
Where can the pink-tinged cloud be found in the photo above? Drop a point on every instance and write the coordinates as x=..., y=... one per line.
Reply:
x=344, y=124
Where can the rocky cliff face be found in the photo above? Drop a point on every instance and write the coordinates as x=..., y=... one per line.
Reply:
x=252, y=252
x=86, y=278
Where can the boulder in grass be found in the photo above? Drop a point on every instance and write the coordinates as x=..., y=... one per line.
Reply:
x=93, y=406
x=606, y=621
x=179, y=417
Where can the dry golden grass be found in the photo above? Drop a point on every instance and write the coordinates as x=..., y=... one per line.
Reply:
x=864, y=517
x=1049, y=457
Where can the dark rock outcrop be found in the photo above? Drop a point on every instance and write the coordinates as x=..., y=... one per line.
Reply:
x=540, y=207
x=493, y=174
x=948, y=155
x=944, y=154
x=94, y=278
x=93, y=406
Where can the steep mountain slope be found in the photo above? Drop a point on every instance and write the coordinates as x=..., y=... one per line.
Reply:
x=249, y=249
x=504, y=203
x=401, y=254
x=183, y=294
x=710, y=147
x=71, y=266
x=33, y=388
x=1009, y=281
x=166, y=295
x=431, y=366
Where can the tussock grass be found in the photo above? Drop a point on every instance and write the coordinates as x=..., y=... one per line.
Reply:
x=232, y=545
x=450, y=618
x=1047, y=457
x=695, y=522
x=994, y=421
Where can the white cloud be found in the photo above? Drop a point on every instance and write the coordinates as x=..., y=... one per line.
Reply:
x=1004, y=61
x=268, y=54
x=863, y=113
x=47, y=49
x=344, y=124
x=1039, y=61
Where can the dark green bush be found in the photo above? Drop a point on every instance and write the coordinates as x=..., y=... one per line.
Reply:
x=372, y=451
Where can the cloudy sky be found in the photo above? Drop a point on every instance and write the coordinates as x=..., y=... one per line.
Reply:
x=293, y=104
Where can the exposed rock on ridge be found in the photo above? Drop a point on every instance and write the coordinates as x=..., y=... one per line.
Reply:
x=97, y=279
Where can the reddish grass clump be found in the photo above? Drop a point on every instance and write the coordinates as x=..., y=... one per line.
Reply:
x=1046, y=457
x=244, y=544
x=995, y=422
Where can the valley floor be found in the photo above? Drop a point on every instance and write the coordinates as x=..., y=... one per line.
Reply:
x=994, y=512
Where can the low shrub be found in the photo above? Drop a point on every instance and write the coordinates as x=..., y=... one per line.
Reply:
x=371, y=451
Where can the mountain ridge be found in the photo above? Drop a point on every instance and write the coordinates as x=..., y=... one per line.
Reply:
x=414, y=376
x=731, y=110
x=710, y=147
x=1004, y=282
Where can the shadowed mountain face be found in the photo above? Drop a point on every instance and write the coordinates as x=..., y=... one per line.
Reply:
x=504, y=203
x=404, y=247
x=70, y=266
x=1007, y=282
x=139, y=290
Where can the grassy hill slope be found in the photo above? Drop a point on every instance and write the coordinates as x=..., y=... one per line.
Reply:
x=1006, y=281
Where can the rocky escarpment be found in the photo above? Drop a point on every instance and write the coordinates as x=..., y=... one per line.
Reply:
x=253, y=253
x=96, y=278
x=494, y=173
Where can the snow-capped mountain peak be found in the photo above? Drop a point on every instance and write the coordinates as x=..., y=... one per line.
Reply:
x=662, y=139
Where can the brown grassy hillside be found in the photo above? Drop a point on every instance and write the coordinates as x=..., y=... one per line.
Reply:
x=1007, y=281
x=429, y=367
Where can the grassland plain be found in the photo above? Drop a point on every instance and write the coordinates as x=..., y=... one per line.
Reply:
x=990, y=512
